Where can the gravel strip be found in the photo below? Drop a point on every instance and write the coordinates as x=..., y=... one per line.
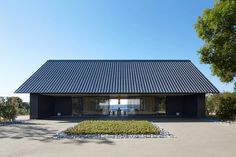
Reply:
x=163, y=134
x=227, y=123
x=10, y=123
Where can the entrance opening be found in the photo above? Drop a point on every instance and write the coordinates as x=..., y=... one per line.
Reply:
x=118, y=106
x=124, y=106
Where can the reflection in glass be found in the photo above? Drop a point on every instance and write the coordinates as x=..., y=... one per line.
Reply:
x=119, y=106
x=103, y=105
x=96, y=105
x=161, y=105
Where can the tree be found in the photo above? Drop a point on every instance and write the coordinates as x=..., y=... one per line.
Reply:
x=23, y=108
x=234, y=86
x=217, y=28
x=11, y=106
x=15, y=101
x=2, y=104
x=226, y=106
x=211, y=104
x=9, y=109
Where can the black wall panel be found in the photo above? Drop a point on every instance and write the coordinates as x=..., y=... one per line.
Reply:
x=63, y=105
x=187, y=106
x=33, y=106
x=174, y=104
x=45, y=106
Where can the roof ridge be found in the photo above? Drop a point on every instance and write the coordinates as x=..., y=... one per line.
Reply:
x=119, y=60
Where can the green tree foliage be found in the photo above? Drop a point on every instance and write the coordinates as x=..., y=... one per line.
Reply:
x=10, y=107
x=223, y=104
x=217, y=28
x=23, y=108
x=226, y=109
x=234, y=86
x=211, y=102
x=2, y=104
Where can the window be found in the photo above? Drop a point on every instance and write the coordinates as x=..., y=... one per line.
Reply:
x=161, y=105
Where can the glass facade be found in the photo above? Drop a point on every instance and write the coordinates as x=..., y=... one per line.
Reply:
x=118, y=106
x=77, y=106
x=124, y=106
x=96, y=105
x=161, y=105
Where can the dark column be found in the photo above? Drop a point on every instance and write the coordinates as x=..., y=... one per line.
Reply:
x=190, y=106
x=33, y=106
x=201, y=105
x=194, y=105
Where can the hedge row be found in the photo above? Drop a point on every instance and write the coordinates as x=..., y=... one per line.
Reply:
x=113, y=127
x=223, y=104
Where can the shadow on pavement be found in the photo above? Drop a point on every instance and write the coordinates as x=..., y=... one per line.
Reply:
x=31, y=131
x=40, y=132
x=84, y=141
x=44, y=131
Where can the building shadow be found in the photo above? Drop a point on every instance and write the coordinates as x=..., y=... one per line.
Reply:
x=30, y=131
x=40, y=130
x=42, y=133
x=85, y=141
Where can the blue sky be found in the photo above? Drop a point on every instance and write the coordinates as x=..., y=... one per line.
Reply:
x=32, y=32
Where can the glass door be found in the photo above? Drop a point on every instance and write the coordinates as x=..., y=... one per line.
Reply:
x=114, y=105
x=77, y=106
x=161, y=101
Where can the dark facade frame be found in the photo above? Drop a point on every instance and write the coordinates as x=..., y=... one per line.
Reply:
x=45, y=106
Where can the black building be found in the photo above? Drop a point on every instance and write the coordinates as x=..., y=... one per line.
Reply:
x=117, y=88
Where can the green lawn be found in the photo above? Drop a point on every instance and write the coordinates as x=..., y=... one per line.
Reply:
x=113, y=127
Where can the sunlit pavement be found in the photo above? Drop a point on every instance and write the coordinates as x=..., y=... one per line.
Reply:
x=193, y=139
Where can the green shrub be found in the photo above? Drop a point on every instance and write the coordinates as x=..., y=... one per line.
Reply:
x=10, y=107
x=226, y=109
x=211, y=104
x=22, y=111
x=23, y=108
x=223, y=104
x=9, y=112
x=113, y=127
x=2, y=103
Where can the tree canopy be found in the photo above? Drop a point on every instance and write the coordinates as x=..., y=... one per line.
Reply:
x=10, y=107
x=217, y=28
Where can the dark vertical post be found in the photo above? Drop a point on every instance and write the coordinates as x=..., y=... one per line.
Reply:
x=34, y=106
x=201, y=105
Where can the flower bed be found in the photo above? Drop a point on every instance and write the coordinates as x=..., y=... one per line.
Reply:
x=113, y=127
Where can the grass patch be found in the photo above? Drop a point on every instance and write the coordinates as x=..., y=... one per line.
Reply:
x=113, y=127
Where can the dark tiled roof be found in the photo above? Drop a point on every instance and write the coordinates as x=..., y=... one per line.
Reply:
x=117, y=76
